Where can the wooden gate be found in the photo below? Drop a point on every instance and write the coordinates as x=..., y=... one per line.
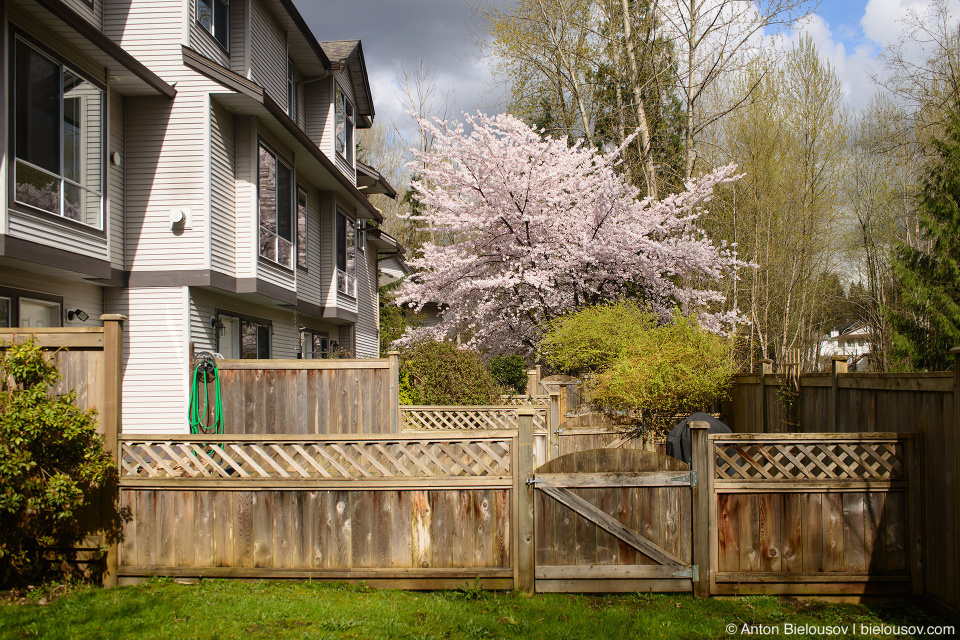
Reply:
x=613, y=520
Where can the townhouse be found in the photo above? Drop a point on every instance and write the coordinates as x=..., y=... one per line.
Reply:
x=192, y=165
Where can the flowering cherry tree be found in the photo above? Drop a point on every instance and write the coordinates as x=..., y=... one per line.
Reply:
x=537, y=229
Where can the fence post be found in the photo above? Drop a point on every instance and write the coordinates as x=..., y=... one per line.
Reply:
x=110, y=416
x=702, y=490
x=394, y=357
x=553, y=439
x=524, y=471
x=533, y=382
x=956, y=431
x=766, y=368
x=839, y=366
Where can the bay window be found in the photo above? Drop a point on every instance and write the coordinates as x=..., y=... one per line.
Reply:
x=58, y=138
x=275, y=200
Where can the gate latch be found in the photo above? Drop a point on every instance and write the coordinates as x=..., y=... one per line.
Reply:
x=558, y=431
x=533, y=481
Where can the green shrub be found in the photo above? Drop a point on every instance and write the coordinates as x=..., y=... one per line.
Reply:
x=438, y=373
x=53, y=469
x=640, y=365
x=510, y=371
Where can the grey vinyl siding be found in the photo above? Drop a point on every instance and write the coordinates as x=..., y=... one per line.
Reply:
x=346, y=337
x=301, y=100
x=239, y=37
x=223, y=183
x=268, y=53
x=76, y=295
x=310, y=282
x=328, y=267
x=204, y=304
x=368, y=308
x=165, y=162
x=276, y=275
x=155, y=357
x=203, y=42
x=94, y=16
x=319, y=114
x=49, y=231
x=115, y=176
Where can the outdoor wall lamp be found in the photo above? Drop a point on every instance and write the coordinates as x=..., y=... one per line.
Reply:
x=216, y=324
x=78, y=314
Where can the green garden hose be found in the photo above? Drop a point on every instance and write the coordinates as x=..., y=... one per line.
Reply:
x=206, y=366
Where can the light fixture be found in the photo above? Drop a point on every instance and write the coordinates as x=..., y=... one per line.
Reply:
x=215, y=323
x=78, y=314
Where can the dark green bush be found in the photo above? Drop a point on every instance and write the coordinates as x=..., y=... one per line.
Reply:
x=53, y=470
x=439, y=373
x=510, y=371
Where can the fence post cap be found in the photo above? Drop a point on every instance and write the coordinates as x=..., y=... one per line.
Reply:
x=113, y=316
x=839, y=358
x=700, y=424
x=955, y=351
x=393, y=353
x=526, y=411
x=765, y=360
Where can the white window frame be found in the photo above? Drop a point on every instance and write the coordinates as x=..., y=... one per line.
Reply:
x=261, y=228
x=211, y=29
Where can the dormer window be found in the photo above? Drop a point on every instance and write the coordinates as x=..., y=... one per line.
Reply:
x=345, y=143
x=214, y=16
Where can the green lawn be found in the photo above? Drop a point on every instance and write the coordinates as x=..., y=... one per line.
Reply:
x=275, y=610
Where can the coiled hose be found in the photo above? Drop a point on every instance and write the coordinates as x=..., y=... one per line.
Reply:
x=205, y=370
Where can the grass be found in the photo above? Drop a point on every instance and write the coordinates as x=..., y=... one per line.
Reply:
x=278, y=610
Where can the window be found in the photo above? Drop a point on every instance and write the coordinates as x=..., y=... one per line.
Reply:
x=314, y=344
x=29, y=309
x=301, y=228
x=345, y=143
x=346, y=258
x=214, y=16
x=58, y=140
x=291, y=92
x=275, y=197
x=243, y=337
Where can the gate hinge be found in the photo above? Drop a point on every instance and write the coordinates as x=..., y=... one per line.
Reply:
x=533, y=481
x=687, y=478
x=693, y=478
x=558, y=431
x=692, y=572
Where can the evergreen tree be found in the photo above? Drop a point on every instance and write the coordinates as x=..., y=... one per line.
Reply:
x=927, y=323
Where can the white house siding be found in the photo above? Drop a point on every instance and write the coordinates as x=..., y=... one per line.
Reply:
x=328, y=265
x=51, y=232
x=223, y=179
x=246, y=197
x=268, y=53
x=203, y=42
x=150, y=30
x=310, y=283
x=368, y=308
x=115, y=182
x=155, y=357
x=76, y=295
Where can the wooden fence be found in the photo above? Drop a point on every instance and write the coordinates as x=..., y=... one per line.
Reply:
x=841, y=402
x=90, y=361
x=310, y=396
x=414, y=511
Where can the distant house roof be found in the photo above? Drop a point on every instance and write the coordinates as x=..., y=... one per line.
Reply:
x=372, y=181
x=350, y=53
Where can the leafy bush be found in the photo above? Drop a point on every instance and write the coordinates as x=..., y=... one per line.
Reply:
x=510, y=371
x=53, y=469
x=439, y=373
x=639, y=364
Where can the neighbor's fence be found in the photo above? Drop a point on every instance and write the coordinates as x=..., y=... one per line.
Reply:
x=310, y=396
x=416, y=511
x=919, y=403
x=814, y=513
x=90, y=361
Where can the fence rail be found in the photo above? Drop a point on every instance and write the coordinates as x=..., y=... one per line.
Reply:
x=523, y=400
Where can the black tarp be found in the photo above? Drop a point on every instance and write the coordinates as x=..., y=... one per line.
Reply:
x=678, y=441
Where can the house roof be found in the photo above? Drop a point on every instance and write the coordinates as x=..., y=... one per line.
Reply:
x=304, y=47
x=349, y=53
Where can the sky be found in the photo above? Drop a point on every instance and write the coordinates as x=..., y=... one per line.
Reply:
x=850, y=34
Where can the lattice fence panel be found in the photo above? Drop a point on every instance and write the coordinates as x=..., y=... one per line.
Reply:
x=463, y=418
x=808, y=460
x=336, y=460
x=520, y=401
